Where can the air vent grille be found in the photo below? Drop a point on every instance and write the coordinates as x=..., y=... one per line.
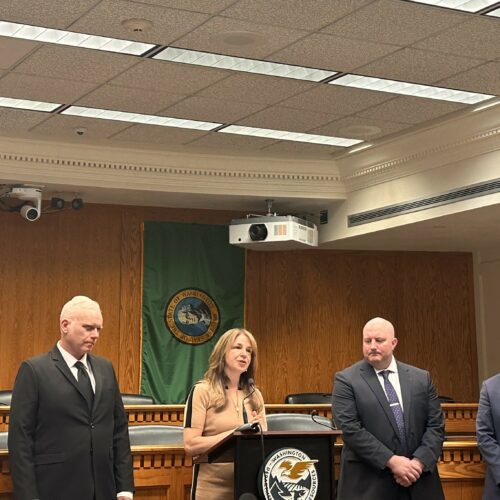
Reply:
x=467, y=192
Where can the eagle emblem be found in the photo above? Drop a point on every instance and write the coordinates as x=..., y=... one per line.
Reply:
x=289, y=474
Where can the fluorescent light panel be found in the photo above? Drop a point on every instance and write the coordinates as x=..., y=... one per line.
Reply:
x=290, y=136
x=494, y=13
x=208, y=59
x=464, y=5
x=123, y=116
x=411, y=89
x=7, y=102
x=48, y=35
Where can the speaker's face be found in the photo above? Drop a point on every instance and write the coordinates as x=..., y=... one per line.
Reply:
x=239, y=355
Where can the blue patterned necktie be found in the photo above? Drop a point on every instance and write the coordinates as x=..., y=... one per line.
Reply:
x=393, y=399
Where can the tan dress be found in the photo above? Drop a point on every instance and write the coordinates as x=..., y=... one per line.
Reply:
x=214, y=481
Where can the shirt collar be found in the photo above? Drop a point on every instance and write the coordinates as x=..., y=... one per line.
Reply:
x=393, y=367
x=70, y=359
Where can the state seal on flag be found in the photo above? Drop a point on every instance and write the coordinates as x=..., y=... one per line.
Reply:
x=192, y=316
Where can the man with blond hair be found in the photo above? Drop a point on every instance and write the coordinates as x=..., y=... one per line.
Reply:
x=68, y=431
x=392, y=424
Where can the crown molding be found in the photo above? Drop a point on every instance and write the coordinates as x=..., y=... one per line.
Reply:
x=462, y=139
x=50, y=163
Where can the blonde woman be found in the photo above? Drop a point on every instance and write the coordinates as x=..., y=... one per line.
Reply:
x=218, y=404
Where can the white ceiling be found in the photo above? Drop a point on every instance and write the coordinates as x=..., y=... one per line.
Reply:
x=392, y=39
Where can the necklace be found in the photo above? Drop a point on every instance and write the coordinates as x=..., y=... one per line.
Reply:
x=236, y=402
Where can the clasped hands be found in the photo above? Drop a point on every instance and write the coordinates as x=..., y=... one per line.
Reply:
x=405, y=470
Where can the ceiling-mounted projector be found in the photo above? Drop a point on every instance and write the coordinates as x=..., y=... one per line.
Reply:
x=273, y=232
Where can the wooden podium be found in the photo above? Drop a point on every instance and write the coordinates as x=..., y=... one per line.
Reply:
x=288, y=459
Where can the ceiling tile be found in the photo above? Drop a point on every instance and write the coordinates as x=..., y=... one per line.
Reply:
x=208, y=6
x=167, y=24
x=52, y=14
x=238, y=38
x=232, y=141
x=169, y=77
x=484, y=79
x=302, y=150
x=75, y=64
x=294, y=120
x=13, y=50
x=40, y=88
x=158, y=135
x=293, y=13
x=208, y=109
x=417, y=66
x=332, y=52
x=411, y=110
x=128, y=99
x=13, y=120
x=478, y=37
x=339, y=101
x=360, y=128
x=394, y=22
x=63, y=126
x=255, y=88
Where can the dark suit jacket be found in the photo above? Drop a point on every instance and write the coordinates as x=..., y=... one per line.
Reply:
x=370, y=433
x=488, y=435
x=58, y=448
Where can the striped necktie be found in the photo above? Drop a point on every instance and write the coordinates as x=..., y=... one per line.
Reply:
x=395, y=405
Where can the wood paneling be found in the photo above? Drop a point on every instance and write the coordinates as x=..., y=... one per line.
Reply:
x=307, y=311
x=306, y=308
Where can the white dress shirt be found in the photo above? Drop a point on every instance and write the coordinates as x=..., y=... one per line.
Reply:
x=393, y=379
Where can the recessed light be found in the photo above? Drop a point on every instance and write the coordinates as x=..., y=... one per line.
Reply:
x=83, y=40
x=284, y=135
x=410, y=89
x=463, y=5
x=231, y=63
x=8, y=102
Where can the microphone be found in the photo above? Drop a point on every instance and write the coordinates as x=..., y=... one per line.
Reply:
x=314, y=414
x=251, y=384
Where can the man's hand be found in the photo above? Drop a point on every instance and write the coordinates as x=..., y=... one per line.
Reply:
x=404, y=470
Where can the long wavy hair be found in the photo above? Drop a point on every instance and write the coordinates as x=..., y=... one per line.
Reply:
x=216, y=375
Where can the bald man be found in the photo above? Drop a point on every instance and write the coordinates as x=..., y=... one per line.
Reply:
x=68, y=431
x=392, y=424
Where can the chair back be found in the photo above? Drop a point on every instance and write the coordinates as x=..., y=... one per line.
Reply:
x=3, y=440
x=296, y=422
x=309, y=398
x=155, y=434
x=5, y=397
x=137, y=399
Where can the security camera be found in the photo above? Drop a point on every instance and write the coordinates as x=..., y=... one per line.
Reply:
x=30, y=213
x=32, y=209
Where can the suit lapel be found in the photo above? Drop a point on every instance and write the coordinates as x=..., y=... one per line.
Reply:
x=62, y=366
x=370, y=377
x=98, y=377
x=406, y=392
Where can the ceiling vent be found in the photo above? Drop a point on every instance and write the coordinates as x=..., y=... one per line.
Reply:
x=464, y=193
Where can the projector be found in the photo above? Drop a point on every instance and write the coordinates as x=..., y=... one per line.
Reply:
x=274, y=232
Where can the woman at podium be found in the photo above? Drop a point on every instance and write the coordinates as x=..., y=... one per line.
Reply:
x=225, y=399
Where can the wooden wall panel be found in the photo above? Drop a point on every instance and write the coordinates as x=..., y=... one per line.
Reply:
x=306, y=308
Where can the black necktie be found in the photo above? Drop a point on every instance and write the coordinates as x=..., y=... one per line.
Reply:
x=85, y=384
x=393, y=399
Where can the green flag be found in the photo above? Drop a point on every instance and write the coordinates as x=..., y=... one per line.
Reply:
x=193, y=287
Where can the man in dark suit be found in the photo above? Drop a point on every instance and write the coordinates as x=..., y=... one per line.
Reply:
x=392, y=424
x=488, y=435
x=68, y=431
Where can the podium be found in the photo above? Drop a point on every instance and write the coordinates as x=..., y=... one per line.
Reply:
x=294, y=462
